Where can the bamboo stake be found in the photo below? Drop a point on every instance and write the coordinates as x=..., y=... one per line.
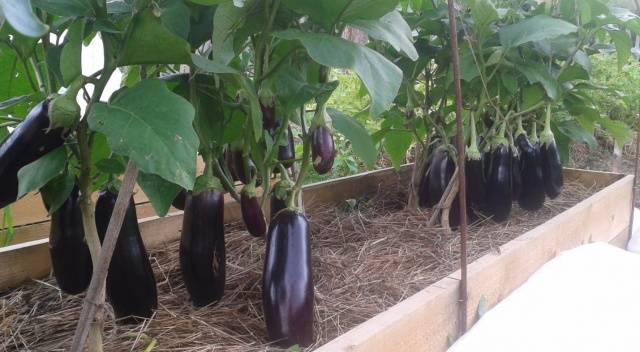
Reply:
x=462, y=191
x=97, y=284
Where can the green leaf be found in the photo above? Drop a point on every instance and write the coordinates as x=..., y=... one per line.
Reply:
x=160, y=192
x=211, y=66
x=57, y=191
x=616, y=129
x=623, y=46
x=576, y=133
x=329, y=12
x=226, y=20
x=381, y=77
x=152, y=126
x=71, y=55
x=65, y=8
x=111, y=166
x=41, y=171
x=14, y=101
x=21, y=17
x=360, y=139
x=536, y=72
x=573, y=72
x=484, y=13
x=208, y=2
x=255, y=113
x=391, y=28
x=536, y=28
x=397, y=143
x=293, y=90
x=152, y=43
x=175, y=17
x=531, y=95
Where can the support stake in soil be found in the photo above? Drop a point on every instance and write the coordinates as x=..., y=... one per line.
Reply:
x=455, y=61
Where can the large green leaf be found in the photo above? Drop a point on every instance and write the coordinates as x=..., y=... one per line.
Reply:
x=328, y=12
x=360, y=139
x=65, y=8
x=226, y=20
x=391, y=28
x=616, y=129
x=21, y=17
x=293, y=90
x=381, y=77
x=41, y=171
x=71, y=55
x=536, y=28
x=623, y=46
x=152, y=43
x=484, y=13
x=175, y=17
x=536, y=72
x=160, y=191
x=211, y=66
x=152, y=126
x=397, y=143
x=57, y=190
x=576, y=133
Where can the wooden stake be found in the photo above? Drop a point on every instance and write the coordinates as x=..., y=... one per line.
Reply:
x=462, y=190
x=90, y=306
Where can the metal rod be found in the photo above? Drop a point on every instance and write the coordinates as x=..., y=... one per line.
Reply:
x=462, y=189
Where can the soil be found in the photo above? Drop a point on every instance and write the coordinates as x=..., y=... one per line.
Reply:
x=368, y=254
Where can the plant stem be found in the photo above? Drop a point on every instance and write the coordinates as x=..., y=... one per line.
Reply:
x=226, y=183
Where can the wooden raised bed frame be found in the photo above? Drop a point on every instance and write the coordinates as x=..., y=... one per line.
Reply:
x=426, y=321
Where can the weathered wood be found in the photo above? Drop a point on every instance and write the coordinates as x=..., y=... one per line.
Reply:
x=157, y=231
x=428, y=320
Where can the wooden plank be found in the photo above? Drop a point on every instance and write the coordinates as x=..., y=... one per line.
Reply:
x=157, y=231
x=428, y=320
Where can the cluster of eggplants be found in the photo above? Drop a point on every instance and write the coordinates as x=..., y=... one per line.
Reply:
x=287, y=286
x=29, y=141
x=202, y=247
x=70, y=256
x=131, y=285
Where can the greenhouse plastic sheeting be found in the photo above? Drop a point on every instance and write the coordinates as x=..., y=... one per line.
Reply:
x=587, y=299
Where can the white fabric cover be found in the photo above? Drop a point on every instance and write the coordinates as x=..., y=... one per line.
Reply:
x=585, y=300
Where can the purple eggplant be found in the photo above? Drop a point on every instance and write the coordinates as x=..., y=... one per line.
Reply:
x=287, y=153
x=252, y=212
x=202, y=247
x=533, y=192
x=287, y=287
x=551, y=169
x=179, y=200
x=323, y=149
x=498, y=199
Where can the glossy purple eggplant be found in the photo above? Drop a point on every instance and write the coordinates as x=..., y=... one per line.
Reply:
x=269, y=120
x=533, y=192
x=202, y=247
x=29, y=141
x=179, y=200
x=131, y=285
x=70, y=257
x=287, y=286
x=252, y=214
x=323, y=149
x=498, y=199
x=440, y=174
x=551, y=169
x=287, y=153
x=516, y=175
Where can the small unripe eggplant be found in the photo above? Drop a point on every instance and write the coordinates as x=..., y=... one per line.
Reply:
x=287, y=153
x=252, y=212
x=323, y=149
x=179, y=200
x=202, y=247
x=131, y=285
x=499, y=183
x=532, y=194
x=70, y=257
x=551, y=168
x=287, y=281
x=29, y=141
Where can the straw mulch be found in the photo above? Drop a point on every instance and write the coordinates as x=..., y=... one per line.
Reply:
x=367, y=256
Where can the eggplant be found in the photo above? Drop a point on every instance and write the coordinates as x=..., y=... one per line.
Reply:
x=179, y=200
x=551, y=169
x=276, y=205
x=498, y=199
x=476, y=184
x=323, y=149
x=70, y=256
x=287, y=286
x=252, y=212
x=287, y=153
x=442, y=170
x=269, y=121
x=202, y=247
x=533, y=193
x=516, y=175
x=233, y=159
x=30, y=140
x=131, y=285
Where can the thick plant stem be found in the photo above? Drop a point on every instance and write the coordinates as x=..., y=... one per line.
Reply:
x=92, y=305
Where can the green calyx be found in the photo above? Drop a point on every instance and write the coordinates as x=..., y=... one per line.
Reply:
x=282, y=189
x=64, y=111
x=472, y=150
x=500, y=139
x=534, y=133
x=249, y=190
x=546, y=136
x=321, y=118
x=266, y=97
x=207, y=181
x=520, y=130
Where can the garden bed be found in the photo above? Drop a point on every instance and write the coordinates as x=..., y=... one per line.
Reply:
x=368, y=255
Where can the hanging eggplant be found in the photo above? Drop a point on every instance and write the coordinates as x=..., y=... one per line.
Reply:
x=235, y=163
x=252, y=212
x=29, y=141
x=499, y=181
x=323, y=149
x=287, y=153
x=551, y=164
x=70, y=257
x=202, y=247
x=533, y=192
x=269, y=121
x=178, y=201
x=516, y=175
x=131, y=285
x=440, y=175
x=287, y=287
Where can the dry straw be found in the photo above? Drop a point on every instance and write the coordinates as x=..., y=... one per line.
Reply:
x=367, y=256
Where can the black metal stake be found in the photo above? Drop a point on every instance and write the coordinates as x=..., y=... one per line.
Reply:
x=462, y=189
